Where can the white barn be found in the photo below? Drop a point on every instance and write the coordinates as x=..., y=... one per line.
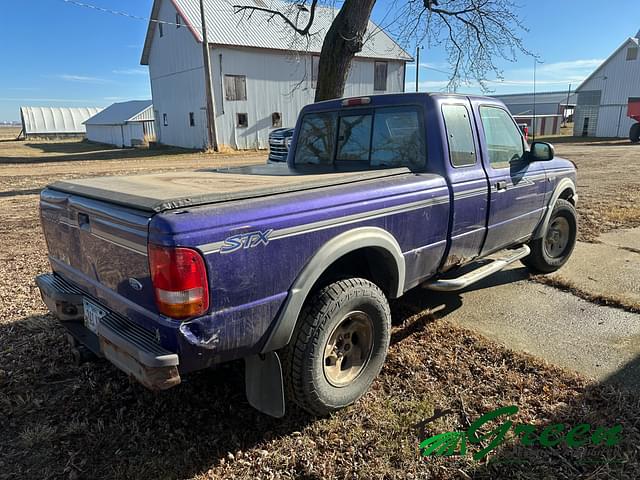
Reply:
x=601, y=109
x=55, y=121
x=262, y=75
x=123, y=124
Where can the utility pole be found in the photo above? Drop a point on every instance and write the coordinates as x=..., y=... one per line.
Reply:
x=566, y=107
x=535, y=63
x=417, y=65
x=212, y=137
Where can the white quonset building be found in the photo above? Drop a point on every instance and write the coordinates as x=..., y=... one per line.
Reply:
x=601, y=109
x=124, y=124
x=262, y=75
x=55, y=121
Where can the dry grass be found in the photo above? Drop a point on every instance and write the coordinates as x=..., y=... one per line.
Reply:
x=62, y=421
x=9, y=133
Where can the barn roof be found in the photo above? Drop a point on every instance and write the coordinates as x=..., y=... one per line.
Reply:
x=262, y=30
x=633, y=41
x=123, y=112
x=55, y=120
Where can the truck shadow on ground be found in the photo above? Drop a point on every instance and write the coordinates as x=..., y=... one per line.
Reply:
x=441, y=304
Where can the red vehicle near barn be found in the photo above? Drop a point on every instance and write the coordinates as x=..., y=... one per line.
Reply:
x=634, y=113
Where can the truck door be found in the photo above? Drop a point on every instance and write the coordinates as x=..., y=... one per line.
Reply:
x=468, y=181
x=517, y=187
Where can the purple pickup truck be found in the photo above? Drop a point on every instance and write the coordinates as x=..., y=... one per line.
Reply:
x=291, y=267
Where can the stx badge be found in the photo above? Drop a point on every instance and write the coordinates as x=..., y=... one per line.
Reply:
x=245, y=240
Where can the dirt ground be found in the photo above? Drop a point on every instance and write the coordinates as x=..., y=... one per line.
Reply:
x=63, y=421
x=608, y=183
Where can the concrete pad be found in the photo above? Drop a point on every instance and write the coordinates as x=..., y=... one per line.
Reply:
x=600, y=342
x=626, y=238
x=610, y=269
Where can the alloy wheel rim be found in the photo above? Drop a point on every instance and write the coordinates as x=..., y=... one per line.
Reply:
x=347, y=351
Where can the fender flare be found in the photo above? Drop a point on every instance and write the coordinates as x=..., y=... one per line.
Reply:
x=564, y=184
x=334, y=249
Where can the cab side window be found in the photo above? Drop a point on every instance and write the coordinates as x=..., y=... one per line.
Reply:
x=462, y=150
x=504, y=140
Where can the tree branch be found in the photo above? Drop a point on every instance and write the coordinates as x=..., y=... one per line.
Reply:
x=276, y=13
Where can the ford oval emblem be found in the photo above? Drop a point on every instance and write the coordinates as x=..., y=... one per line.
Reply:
x=135, y=284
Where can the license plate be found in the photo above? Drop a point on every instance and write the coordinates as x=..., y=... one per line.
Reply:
x=92, y=315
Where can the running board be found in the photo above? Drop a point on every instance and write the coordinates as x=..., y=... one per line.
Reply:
x=454, y=284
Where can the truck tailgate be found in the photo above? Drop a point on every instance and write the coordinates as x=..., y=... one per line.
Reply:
x=101, y=246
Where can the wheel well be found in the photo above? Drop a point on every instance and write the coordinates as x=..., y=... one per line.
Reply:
x=372, y=263
x=567, y=195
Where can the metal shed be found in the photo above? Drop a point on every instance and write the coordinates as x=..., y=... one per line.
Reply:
x=123, y=124
x=55, y=121
x=543, y=103
x=544, y=124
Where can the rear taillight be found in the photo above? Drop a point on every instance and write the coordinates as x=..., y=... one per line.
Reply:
x=179, y=279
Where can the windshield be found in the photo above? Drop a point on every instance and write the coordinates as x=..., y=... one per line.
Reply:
x=378, y=138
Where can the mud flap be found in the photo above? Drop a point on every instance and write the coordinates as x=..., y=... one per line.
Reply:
x=263, y=383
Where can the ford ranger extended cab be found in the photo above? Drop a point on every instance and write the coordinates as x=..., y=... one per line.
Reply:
x=291, y=267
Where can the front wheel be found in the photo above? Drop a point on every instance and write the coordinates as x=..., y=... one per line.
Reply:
x=338, y=346
x=553, y=249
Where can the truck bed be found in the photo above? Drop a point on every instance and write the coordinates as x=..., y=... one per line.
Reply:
x=168, y=191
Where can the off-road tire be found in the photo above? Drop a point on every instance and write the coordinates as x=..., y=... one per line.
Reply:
x=303, y=360
x=634, y=133
x=539, y=259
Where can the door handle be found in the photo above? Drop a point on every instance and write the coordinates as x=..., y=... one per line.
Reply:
x=501, y=186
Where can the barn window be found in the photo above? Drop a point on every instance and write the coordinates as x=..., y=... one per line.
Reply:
x=242, y=121
x=165, y=121
x=276, y=119
x=315, y=62
x=380, y=76
x=160, y=29
x=178, y=20
x=235, y=87
x=632, y=54
x=192, y=119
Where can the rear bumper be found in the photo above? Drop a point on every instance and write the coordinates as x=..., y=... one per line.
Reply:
x=128, y=346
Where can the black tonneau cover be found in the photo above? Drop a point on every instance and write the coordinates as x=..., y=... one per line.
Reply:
x=168, y=191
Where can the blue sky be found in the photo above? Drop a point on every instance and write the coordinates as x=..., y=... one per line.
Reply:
x=54, y=53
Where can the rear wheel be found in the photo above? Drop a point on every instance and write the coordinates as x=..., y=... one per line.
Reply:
x=338, y=346
x=553, y=249
x=634, y=133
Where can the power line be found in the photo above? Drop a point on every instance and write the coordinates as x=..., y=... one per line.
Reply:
x=117, y=12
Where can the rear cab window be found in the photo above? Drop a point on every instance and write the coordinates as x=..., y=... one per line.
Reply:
x=462, y=149
x=384, y=137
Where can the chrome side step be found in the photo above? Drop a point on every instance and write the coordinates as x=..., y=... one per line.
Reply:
x=454, y=284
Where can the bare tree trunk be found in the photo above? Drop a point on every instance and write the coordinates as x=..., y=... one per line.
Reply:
x=343, y=40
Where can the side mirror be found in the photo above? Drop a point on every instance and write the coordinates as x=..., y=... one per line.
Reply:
x=541, y=152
